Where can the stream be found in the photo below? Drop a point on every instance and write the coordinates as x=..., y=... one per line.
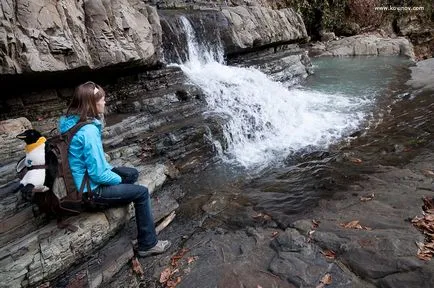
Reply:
x=283, y=145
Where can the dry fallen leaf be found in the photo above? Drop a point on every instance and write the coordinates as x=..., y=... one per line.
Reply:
x=178, y=256
x=315, y=223
x=165, y=275
x=173, y=283
x=329, y=254
x=352, y=225
x=425, y=223
x=274, y=234
x=428, y=203
x=416, y=219
x=264, y=216
x=424, y=256
x=137, y=267
x=367, y=198
x=326, y=279
x=356, y=160
x=429, y=245
x=428, y=172
x=310, y=234
x=191, y=259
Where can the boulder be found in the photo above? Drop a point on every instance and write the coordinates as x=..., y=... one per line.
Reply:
x=365, y=45
x=327, y=36
x=422, y=75
x=13, y=127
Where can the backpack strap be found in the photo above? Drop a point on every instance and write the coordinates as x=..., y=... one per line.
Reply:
x=67, y=136
x=86, y=182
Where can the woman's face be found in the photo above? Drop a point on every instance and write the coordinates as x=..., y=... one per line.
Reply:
x=100, y=105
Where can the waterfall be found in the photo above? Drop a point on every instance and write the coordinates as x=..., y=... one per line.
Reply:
x=265, y=120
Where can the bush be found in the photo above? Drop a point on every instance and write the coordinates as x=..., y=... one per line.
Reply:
x=363, y=12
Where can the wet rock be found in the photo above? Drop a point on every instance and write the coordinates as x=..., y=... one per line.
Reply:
x=386, y=251
x=302, y=264
x=422, y=75
x=223, y=260
x=239, y=29
x=316, y=49
x=290, y=241
x=411, y=279
x=370, y=264
x=163, y=204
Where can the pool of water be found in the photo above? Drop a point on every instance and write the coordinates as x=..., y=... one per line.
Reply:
x=395, y=120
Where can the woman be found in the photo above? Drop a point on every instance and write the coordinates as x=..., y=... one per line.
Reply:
x=112, y=186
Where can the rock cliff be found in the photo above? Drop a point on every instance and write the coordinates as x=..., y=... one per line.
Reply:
x=44, y=35
x=47, y=35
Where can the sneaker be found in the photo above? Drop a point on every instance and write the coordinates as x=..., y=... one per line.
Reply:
x=135, y=243
x=161, y=247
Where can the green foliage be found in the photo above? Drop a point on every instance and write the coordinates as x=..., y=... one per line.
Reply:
x=335, y=15
x=320, y=14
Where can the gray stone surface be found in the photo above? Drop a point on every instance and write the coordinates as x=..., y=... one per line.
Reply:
x=44, y=35
x=386, y=255
x=360, y=45
x=234, y=30
x=49, y=251
x=102, y=266
x=64, y=35
x=422, y=75
x=257, y=26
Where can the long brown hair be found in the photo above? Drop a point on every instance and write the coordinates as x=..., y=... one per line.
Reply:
x=84, y=101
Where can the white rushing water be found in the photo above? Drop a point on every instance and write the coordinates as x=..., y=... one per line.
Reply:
x=265, y=119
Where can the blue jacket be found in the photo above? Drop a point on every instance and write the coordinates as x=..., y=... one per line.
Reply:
x=86, y=152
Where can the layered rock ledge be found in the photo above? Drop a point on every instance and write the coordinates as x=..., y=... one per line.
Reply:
x=55, y=36
x=42, y=36
x=363, y=45
x=49, y=251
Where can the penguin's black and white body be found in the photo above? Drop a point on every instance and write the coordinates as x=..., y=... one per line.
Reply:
x=34, y=161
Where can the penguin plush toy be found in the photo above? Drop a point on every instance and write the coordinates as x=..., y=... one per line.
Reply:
x=35, y=162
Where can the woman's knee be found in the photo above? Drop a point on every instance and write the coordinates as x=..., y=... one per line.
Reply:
x=143, y=192
x=134, y=176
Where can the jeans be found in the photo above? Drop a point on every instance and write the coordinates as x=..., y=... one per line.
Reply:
x=125, y=193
